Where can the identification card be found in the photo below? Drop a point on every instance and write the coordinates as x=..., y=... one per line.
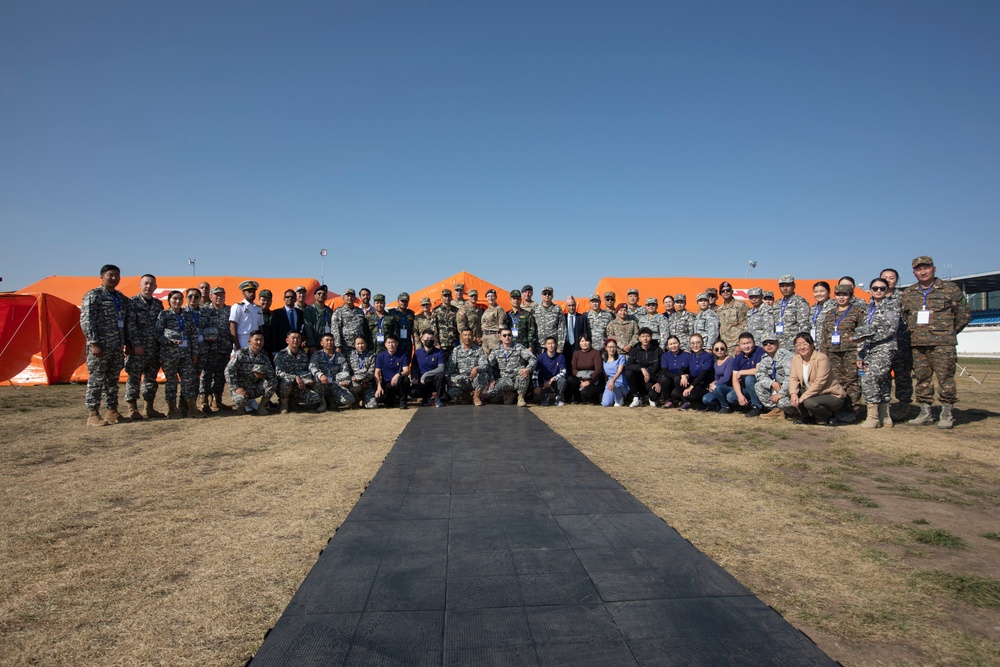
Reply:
x=326, y=329
x=184, y=344
x=201, y=337
x=835, y=338
x=514, y=332
x=779, y=328
x=923, y=317
x=380, y=338
x=402, y=332
x=121, y=322
x=813, y=332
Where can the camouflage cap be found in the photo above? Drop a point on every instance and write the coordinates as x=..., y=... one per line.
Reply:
x=768, y=294
x=515, y=294
x=651, y=301
x=712, y=290
x=634, y=291
x=266, y=294
x=770, y=337
x=595, y=297
x=473, y=292
x=755, y=291
x=249, y=285
x=681, y=297
x=528, y=288
x=548, y=290
x=923, y=259
x=787, y=279
x=218, y=290
x=301, y=288
x=702, y=297
x=609, y=294
x=425, y=301
x=491, y=291
x=843, y=289
x=259, y=368
x=349, y=291
x=403, y=296
x=446, y=292
x=379, y=297
x=459, y=286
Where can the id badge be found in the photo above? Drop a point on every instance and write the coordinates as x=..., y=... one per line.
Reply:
x=923, y=317
x=813, y=332
x=380, y=338
x=514, y=332
x=201, y=337
x=779, y=328
x=121, y=323
x=835, y=338
x=402, y=332
x=326, y=329
x=184, y=344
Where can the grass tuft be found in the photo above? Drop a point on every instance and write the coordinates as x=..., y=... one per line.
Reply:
x=968, y=588
x=939, y=538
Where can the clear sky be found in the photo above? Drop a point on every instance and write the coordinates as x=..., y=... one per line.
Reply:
x=543, y=142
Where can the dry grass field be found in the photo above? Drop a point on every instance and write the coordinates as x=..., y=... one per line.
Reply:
x=174, y=543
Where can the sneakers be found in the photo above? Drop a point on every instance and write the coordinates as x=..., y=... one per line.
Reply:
x=686, y=405
x=636, y=402
x=560, y=403
x=667, y=405
x=438, y=403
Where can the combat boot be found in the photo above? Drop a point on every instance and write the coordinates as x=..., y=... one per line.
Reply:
x=262, y=407
x=322, y=405
x=193, y=410
x=94, y=419
x=521, y=403
x=284, y=406
x=871, y=421
x=172, y=411
x=203, y=400
x=219, y=405
x=883, y=414
x=946, y=419
x=132, y=411
x=111, y=415
x=149, y=412
x=477, y=397
x=924, y=417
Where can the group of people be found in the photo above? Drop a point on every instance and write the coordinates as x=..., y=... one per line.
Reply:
x=827, y=362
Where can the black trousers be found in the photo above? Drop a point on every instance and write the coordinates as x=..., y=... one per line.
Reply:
x=640, y=387
x=590, y=394
x=394, y=395
x=423, y=391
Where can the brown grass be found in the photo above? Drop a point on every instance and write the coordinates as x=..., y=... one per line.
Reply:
x=820, y=522
x=166, y=543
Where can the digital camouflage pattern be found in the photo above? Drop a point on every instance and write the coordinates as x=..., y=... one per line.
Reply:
x=142, y=369
x=770, y=370
x=843, y=356
x=760, y=323
x=706, y=323
x=551, y=322
x=507, y=364
x=656, y=323
x=682, y=326
x=239, y=375
x=599, y=320
x=876, y=347
x=471, y=318
x=933, y=344
x=106, y=319
x=902, y=360
x=362, y=370
x=331, y=367
x=348, y=324
x=792, y=316
x=625, y=332
x=732, y=321
x=178, y=338
x=287, y=367
x=216, y=350
x=817, y=316
x=459, y=367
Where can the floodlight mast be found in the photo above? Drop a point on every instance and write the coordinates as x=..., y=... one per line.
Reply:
x=191, y=263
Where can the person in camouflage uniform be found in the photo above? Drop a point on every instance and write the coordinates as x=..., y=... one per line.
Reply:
x=445, y=324
x=467, y=370
x=856, y=301
x=622, y=329
x=195, y=312
x=424, y=320
x=706, y=322
x=837, y=342
x=361, y=365
x=295, y=381
x=732, y=317
x=522, y=324
x=218, y=346
x=768, y=298
x=773, y=371
x=471, y=317
x=791, y=313
x=329, y=367
x=877, y=344
x=935, y=312
x=759, y=321
x=902, y=360
x=179, y=349
x=527, y=305
x=251, y=376
x=493, y=320
x=512, y=366
x=682, y=322
x=634, y=310
x=818, y=312
x=549, y=318
x=598, y=318
x=459, y=300
x=652, y=320
x=406, y=319
x=348, y=323
x=382, y=323
x=108, y=322
x=318, y=318
x=142, y=368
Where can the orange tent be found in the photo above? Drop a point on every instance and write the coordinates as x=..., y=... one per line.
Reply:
x=691, y=287
x=471, y=281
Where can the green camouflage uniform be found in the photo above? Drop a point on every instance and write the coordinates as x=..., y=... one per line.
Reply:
x=493, y=320
x=106, y=319
x=776, y=369
x=507, y=364
x=239, y=375
x=682, y=326
x=876, y=347
x=381, y=329
x=599, y=320
x=144, y=368
x=843, y=356
x=706, y=323
x=362, y=370
x=625, y=332
x=446, y=327
x=933, y=344
x=336, y=371
x=551, y=322
x=348, y=324
x=460, y=365
x=422, y=323
x=732, y=322
x=527, y=329
x=470, y=317
x=288, y=367
x=318, y=321
x=177, y=360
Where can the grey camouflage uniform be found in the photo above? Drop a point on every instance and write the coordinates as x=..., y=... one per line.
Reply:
x=706, y=323
x=348, y=324
x=551, y=322
x=902, y=359
x=287, y=367
x=781, y=368
x=877, y=350
x=144, y=368
x=507, y=364
x=682, y=326
x=177, y=360
x=218, y=346
x=99, y=321
x=817, y=315
x=239, y=375
x=336, y=371
x=599, y=320
x=362, y=370
x=760, y=323
x=794, y=318
x=658, y=324
x=460, y=365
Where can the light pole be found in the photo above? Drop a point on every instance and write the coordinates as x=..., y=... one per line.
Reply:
x=322, y=270
x=191, y=264
x=751, y=265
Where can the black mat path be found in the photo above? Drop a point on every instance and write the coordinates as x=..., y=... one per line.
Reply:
x=487, y=539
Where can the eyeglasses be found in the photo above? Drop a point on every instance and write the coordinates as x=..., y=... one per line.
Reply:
x=727, y=291
x=506, y=335
x=718, y=349
x=878, y=289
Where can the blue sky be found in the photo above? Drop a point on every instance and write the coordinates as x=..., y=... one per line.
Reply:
x=543, y=142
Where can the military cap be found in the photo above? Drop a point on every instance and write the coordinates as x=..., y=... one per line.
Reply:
x=249, y=285
x=321, y=287
x=515, y=294
x=755, y=291
x=425, y=301
x=491, y=290
x=702, y=297
x=548, y=289
x=259, y=368
x=459, y=286
x=843, y=289
x=349, y=291
x=651, y=301
x=768, y=294
x=621, y=306
x=595, y=297
x=609, y=293
x=218, y=290
x=770, y=337
x=712, y=290
x=446, y=292
x=725, y=284
x=301, y=288
x=923, y=259
x=634, y=291
x=681, y=297
x=379, y=297
x=527, y=288
x=473, y=292
x=266, y=294
x=403, y=296
x=786, y=279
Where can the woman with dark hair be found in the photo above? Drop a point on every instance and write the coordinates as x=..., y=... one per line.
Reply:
x=179, y=348
x=721, y=397
x=694, y=386
x=812, y=387
x=584, y=383
x=675, y=363
x=824, y=304
x=614, y=369
x=877, y=345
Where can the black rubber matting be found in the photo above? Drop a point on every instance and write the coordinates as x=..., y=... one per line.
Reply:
x=487, y=539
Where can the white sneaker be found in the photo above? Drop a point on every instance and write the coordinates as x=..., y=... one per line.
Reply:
x=560, y=403
x=619, y=404
x=636, y=402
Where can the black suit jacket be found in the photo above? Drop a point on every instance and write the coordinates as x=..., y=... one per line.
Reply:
x=581, y=328
x=280, y=326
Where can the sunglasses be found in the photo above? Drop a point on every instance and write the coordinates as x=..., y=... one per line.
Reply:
x=727, y=291
x=878, y=289
x=505, y=336
x=718, y=349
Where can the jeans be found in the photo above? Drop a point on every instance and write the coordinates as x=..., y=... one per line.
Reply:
x=749, y=384
x=723, y=395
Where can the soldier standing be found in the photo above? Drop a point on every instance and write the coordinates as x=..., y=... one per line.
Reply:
x=445, y=323
x=493, y=320
x=706, y=322
x=652, y=320
x=599, y=320
x=318, y=319
x=218, y=347
x=759, y=321
x=424, y=320
x=107, y=321
x=635, y=311
x=179, y=350
x=329, y=367
x=471, y=317
x=266, y=298
x=197, y=314
x=791, y=313
x=732, y=317
x=522, y=324
x=382, y=324
x=527, y=305
x=682, y=322
x=902, y=360
x=549, y=318
x=295, y=381
x=837, y=342
x=407, y=324
x=624, y=330
x=246, y=316
x=251, y=376
x=935, y=312
x=460, y=301
x=875, y=351
x=467, y=370
x=512, y=367
x=142, y=368
x=348, y=323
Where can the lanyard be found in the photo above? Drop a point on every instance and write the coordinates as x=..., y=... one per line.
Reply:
x=180, y=320
x=926, y=292
x=784, y=304
x=836, y=324
x=380, y=323
x=360, y=361
x=817, y=308
x=118, y=303
x=774, y=369
x=329, y=363
x=871, y=311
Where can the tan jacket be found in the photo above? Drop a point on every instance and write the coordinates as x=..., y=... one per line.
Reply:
x=821, y=379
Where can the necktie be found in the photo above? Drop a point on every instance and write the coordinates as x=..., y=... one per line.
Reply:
x=291, y=319
x=571, y=327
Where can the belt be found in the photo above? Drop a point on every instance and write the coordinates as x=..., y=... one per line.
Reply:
x=490, y=332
